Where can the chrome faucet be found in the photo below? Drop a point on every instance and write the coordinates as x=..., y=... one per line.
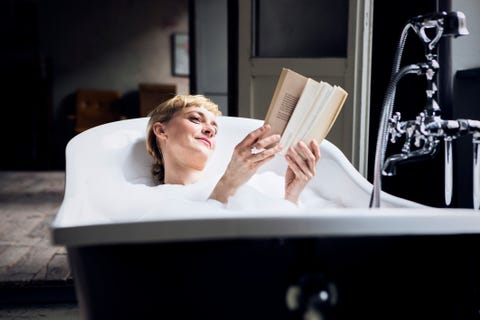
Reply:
x=423, y=135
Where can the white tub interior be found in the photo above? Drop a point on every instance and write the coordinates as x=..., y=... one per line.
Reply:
x=108, y=182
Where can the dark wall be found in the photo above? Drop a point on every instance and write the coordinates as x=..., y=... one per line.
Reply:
x=466, y=94
x=24, y=88
x=51, y=48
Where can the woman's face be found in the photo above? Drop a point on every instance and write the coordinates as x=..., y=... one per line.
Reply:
x=189, y=137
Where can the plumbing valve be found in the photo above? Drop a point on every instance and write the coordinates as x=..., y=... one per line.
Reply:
x=395, y=128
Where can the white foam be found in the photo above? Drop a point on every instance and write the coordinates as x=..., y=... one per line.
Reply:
x=140, y=202
x=108, y=180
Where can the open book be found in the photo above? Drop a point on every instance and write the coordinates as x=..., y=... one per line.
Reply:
x=303, y=109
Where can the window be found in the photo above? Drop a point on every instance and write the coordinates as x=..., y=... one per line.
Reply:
x=300, y=28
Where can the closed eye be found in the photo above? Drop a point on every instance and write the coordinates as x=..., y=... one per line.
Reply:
x=194, y=119
x=197, y=118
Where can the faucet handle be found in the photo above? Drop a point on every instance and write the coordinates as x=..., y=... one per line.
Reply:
x=420, y=130
x=395, y=127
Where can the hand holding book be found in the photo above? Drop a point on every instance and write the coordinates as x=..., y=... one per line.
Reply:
x=303, y=109
x=302, y=164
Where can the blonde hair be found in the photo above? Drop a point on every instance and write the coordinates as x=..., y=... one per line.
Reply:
x=163, y=113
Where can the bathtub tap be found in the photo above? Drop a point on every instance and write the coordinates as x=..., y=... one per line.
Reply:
x=422, y=135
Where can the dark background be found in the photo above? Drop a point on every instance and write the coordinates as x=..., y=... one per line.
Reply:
x=34, y=131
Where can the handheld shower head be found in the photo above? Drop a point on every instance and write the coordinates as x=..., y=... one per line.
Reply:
x=431, y=27
x=455, y=24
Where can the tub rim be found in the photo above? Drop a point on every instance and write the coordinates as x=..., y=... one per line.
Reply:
x=331, y=222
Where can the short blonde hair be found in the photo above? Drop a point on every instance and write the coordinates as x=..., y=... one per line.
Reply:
x=163, y=113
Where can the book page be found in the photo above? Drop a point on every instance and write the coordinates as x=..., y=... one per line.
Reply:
x=287, y=92
x=304, y=104
x=287, y=105
x=326, y=118
x=317, y=107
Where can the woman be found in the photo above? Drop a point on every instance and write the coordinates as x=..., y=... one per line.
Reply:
x=181, y=139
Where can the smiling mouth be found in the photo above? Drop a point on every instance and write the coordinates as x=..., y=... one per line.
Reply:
x=206, y=142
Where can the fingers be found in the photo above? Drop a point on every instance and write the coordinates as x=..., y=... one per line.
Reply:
x=316, y=149
x=265, y=159
x=265, y=154
x=267, y=141
x=253, y=136
x=307, y=155
x=299, y=166
x=303, y=159
x=256, y=148
x=293, y=165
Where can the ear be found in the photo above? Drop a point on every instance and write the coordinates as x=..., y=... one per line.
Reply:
x=159, y=130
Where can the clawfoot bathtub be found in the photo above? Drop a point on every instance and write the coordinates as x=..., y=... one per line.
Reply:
x=401, y=261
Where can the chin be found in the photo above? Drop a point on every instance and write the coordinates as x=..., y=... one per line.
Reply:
x=200, y=161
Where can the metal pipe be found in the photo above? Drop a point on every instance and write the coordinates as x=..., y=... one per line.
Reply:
x=383, y=131
x=448, y=171
x=476, y=171
x=427, y=152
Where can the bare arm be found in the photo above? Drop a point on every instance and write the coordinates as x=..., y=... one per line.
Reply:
x=244, y=163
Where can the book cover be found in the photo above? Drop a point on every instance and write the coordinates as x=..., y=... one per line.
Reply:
x=285, y=97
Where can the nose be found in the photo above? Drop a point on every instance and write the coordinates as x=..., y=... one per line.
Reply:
x=208, y=130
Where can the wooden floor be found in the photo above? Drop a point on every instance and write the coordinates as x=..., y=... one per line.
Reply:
x=28, y=204
x=44, y=311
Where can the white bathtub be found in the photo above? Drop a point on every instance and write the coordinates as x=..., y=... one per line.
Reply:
x=211, y=264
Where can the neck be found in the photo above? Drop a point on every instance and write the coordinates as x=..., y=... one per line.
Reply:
x=184, y=176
